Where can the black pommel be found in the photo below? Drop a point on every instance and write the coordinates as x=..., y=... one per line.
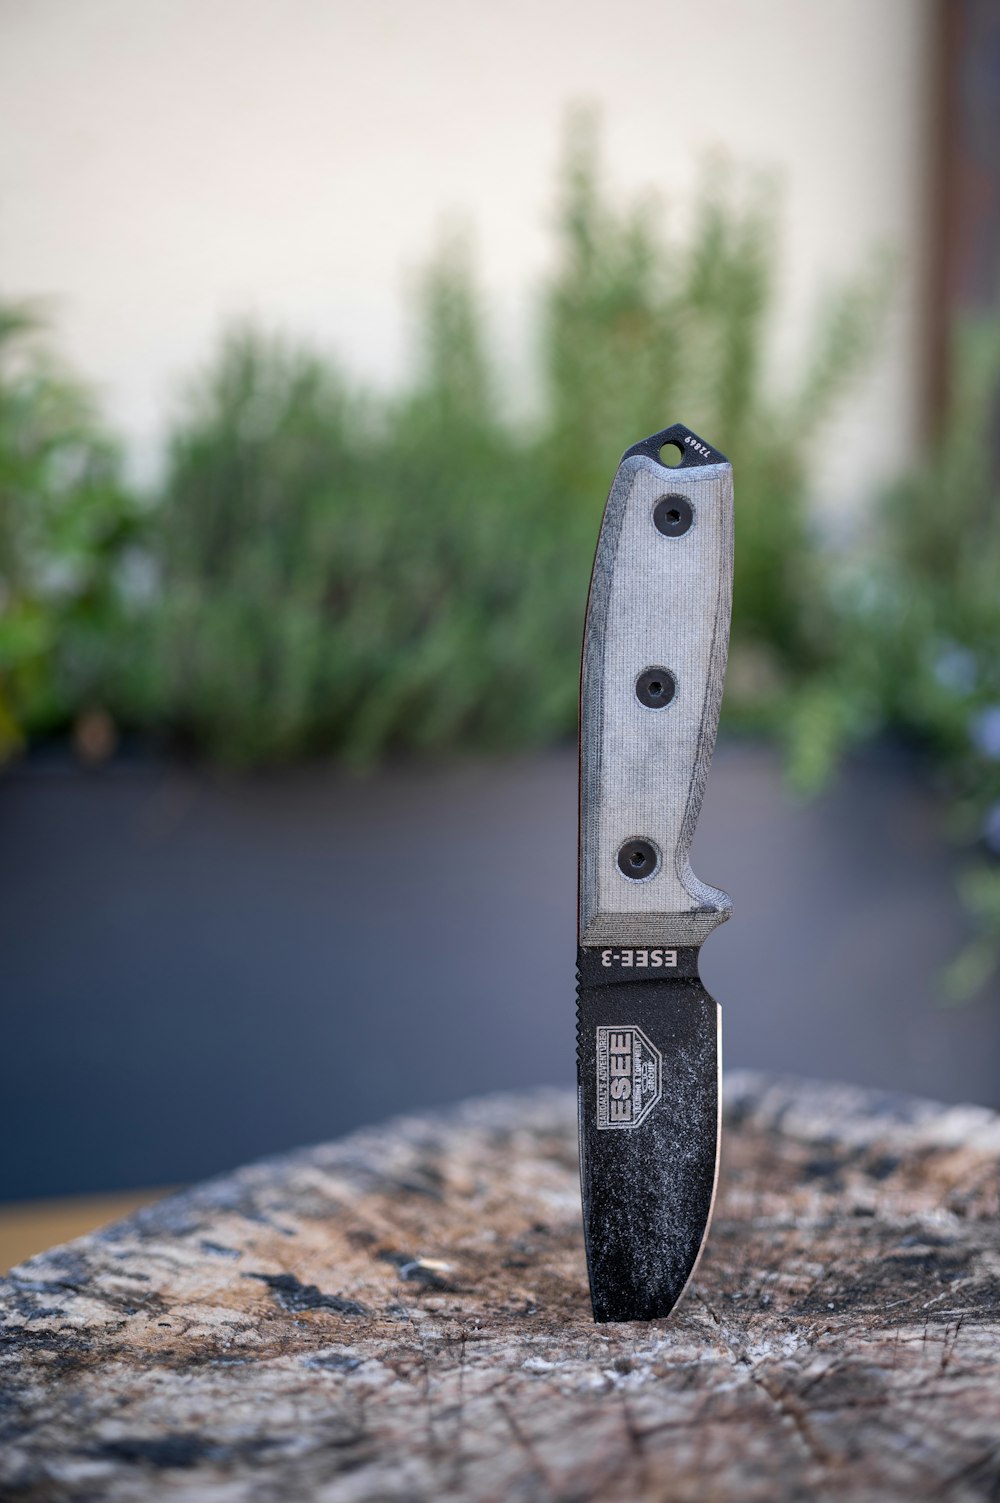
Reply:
x=693, y=450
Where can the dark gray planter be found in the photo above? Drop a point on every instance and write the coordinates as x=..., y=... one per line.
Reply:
x=199, y=969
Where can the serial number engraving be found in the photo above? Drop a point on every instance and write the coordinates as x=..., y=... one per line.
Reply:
x=638, y=958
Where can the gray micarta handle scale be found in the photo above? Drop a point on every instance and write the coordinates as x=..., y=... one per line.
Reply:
x=659, y=599
x=648, y=1053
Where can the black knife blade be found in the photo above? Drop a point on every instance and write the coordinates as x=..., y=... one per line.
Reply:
x=648, y=1051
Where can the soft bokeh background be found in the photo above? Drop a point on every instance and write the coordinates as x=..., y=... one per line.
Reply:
x=169, y=166
x=322, y=328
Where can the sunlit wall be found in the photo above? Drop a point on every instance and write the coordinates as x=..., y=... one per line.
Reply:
x=167, y=164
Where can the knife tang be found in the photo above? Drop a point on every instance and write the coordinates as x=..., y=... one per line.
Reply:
x=654, y=658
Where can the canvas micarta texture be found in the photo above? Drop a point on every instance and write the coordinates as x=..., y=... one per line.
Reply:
x=654, y=600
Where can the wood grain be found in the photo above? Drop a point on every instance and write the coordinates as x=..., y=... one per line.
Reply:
x=404, y=1315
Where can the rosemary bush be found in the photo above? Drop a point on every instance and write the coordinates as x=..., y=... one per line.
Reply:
x=324, y=570
x=916, y=613
x=342, y=574
x=66, y=526
x=346, y=573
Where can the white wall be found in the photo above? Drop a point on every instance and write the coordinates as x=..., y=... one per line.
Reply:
x=165, y=164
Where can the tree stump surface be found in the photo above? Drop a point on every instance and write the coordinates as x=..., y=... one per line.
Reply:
x=403, y=1315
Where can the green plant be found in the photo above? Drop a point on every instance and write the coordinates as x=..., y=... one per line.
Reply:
x=641, y=330
x=326, y=570
x=361, y=575
x=65, y=526
x=917, y=616
x=342, y=574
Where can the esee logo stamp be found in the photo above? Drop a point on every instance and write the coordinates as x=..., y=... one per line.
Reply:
x=629, y=1071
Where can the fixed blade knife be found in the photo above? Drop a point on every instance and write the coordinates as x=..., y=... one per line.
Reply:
x=648, y=1033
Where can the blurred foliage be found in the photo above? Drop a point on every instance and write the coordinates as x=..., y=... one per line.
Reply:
x=358, y=574
x=641, y=330
x=66, y=524
x=324, y=570
x=362, y=576
x=916, y=608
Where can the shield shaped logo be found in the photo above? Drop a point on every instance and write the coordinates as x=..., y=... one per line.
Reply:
x=629, y=1076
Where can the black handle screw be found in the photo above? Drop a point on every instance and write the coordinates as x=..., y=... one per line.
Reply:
x=672, y=515
x=638, y=859
x=655, y=688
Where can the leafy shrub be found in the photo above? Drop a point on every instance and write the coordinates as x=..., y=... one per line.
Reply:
x=66, y=523
x=917, y=623
x=360, y=575
x=341, y=574
x=324, y=570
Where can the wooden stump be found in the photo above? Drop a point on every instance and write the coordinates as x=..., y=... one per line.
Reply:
x=403, y=1315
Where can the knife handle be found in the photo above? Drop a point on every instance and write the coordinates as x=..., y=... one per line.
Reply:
x=654, y=659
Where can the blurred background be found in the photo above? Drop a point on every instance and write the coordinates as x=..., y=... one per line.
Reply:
x=322, y=329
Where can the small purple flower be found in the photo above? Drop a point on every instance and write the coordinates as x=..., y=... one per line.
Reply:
x=984, y=732
x=955, y=669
